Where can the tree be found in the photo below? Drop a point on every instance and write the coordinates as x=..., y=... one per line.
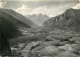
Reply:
x=7, y=31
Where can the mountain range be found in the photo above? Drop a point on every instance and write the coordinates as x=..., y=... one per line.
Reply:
x=39, y=19
x=69, y=20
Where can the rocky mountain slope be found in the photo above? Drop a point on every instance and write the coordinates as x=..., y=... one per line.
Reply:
x=19, y=17
x=69, y=20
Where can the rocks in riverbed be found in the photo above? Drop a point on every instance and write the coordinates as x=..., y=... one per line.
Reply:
x=76, y=48
x=66, y=47
x=76, y=39
x=67, y=54
x=49, y=51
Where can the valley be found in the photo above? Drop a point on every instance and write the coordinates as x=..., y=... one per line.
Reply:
x=48, y=42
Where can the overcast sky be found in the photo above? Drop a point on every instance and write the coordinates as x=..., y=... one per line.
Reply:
x=46, y=7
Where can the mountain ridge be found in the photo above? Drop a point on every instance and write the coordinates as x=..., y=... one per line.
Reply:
x=69, y=20
x=13, y=20
x=19, y=17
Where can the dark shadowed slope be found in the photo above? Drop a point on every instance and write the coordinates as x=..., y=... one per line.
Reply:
x=8, y=30
x=13, y=20
x=69, y=20
x=19, y=17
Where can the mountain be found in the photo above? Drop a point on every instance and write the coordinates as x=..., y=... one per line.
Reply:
x=13, y=20
x=69, y=20
x=38, y=19
x=19, y=17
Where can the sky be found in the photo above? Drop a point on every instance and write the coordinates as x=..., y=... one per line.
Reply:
x=47, y=7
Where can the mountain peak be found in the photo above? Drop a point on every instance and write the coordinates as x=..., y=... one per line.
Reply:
x=38, y=18
x=40, y=13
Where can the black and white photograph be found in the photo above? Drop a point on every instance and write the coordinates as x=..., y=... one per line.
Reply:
x=39, y=28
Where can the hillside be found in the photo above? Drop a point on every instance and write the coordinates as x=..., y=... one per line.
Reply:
x=19, y=17
x=69, y=20
x=13, y=20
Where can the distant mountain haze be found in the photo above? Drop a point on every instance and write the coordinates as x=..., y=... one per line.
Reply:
x=38, y=18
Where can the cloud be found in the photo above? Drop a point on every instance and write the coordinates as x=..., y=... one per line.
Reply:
x=46, y=10
x=2, y=4
x=77, y=6
x=24, y=10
